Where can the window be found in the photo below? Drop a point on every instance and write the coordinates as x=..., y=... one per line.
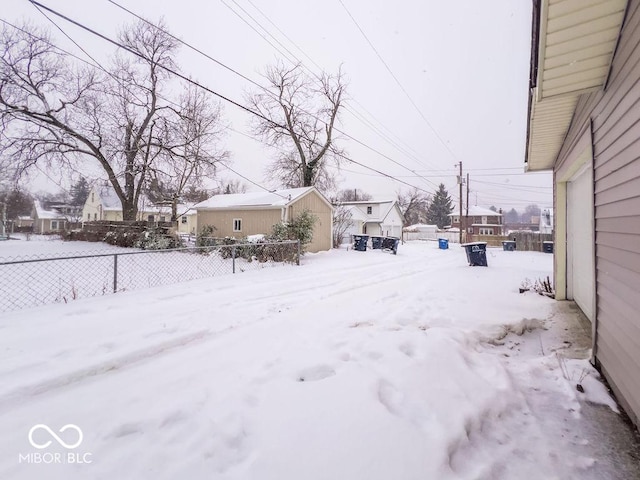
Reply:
x=486, y=231
x=150, y=218
x=95, y=216
x=162, y=219
x=369, y=210
x=484, y=219
x=88, y=216
x=54, y=225
x=92, y=199
x=470, y=230
x=237, y=224
x=183, y=220
x=455, y=219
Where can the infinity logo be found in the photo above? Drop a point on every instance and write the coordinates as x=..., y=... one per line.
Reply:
x=53, y=434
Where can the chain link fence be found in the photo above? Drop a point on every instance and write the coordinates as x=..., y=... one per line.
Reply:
x=33, y=280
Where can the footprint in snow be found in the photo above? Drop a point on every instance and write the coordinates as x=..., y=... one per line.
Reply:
x=319, y=372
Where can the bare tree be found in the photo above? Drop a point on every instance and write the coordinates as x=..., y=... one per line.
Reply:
x=414, y=205
x=299, y=116
x=352, y=195
x=227, y=187
x=58, y=114
x=341, y=223
x=189, y=149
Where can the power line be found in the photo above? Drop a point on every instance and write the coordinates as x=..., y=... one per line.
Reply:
x=299, y=62
x=113, y=76
x=414, y=155
x=256, y=84
x=199, y=85
x=422, y=115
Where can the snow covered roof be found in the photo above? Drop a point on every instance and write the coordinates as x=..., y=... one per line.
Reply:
x=385, y=207
x=109, y=198
x=356, y=213
x=276, y=198
x=475, y=211
x=367, y=202
x=420, y=227
x=44, y=213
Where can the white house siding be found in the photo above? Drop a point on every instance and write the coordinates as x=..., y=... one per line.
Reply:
x=614, y=118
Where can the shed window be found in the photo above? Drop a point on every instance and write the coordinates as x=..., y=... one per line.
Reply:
x=183, y=220
x=237, y=224
x=54, y=225
x=369, y=210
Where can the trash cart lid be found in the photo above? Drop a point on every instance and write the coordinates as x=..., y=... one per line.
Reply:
x=473, y=243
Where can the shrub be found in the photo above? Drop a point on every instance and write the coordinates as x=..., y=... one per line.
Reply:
x=152, y=240
x=298, y=228
x=205, y=237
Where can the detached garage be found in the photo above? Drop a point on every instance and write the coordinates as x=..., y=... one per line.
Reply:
x=242, y=214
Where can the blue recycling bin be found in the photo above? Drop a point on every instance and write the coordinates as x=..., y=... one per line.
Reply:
x=360, y=242
x=476, y=253
x=391, y=243
x=376, y=242
x=443, y=243
x=509, y=245
x=547, y=247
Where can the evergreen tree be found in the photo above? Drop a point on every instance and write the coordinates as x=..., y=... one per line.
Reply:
x=512, y=216
x=79, y=192
x=440, y=208
x=17, y=202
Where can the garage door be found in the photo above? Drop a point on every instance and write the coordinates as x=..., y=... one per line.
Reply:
x=580, y=241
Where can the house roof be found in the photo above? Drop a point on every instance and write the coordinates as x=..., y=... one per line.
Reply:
x=273, y=199
x=356, y=213
x=475, y=211
x=385, y=207
x=44, y=213
x=109, y=198
x=572, y=49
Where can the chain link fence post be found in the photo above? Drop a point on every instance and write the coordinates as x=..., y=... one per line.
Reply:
x=233, y=259
x=115, y=273
x=298, y=256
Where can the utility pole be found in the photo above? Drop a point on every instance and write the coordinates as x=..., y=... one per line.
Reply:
x=467, y=204
x=460, y=182
x=466, y=216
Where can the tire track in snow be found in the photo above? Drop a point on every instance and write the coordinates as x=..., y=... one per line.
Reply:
x=293, y=296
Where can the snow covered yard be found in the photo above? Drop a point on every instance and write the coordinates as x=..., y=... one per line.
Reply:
x=355, y=365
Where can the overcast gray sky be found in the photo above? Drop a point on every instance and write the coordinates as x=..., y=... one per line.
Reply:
x=464, y=66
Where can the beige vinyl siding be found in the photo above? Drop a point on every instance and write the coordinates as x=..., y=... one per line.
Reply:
x=322, y=229
x=253, y=221
x=615, y=117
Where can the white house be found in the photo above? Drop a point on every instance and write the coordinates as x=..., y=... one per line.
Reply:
x=103, y=204
x=546, y=220
x=375, y=217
